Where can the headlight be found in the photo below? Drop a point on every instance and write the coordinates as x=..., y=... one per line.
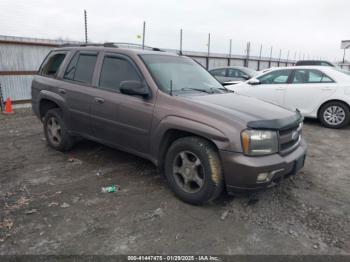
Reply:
x=259, y=142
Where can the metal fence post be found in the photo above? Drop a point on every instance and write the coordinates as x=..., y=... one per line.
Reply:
x=246, y=62
x=229, y=54
x=1, y=100
x=208, y=51
x=259, y=57
x=181, y=41
x=143, y=35
x=270, y=61
x=279, y=58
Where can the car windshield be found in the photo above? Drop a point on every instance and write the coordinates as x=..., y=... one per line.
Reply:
x=180, y=74
x=250, y=72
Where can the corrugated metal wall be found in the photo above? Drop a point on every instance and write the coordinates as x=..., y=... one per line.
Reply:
x=21, y=57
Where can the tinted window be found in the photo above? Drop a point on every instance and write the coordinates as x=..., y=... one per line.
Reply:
x=114, y=71
x=310, y=76
x=235, y=73
x=53, y=63
x=275, y=77
x=81, y=68
x=218, y=72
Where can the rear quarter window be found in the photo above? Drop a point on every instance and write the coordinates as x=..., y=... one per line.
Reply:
x=52, y=64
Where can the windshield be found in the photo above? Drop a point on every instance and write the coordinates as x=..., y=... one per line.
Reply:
x=182, y=73
x=250, y=72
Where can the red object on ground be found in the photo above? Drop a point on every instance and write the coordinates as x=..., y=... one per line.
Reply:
x=8, y=107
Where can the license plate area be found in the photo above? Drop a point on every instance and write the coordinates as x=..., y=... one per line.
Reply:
x=299, y=164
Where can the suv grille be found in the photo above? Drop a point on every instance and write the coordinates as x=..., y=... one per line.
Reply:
x=289, y=139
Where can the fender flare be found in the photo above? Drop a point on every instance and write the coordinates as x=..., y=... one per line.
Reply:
x=186, y=125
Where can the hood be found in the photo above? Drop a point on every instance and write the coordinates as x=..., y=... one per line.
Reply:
x=253, y=112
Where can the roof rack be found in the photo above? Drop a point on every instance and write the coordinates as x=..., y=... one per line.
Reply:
x=138, y=46
x=116, y=45
x=108, y=44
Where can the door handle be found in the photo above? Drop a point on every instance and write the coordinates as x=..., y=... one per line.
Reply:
x=62, y=91
x=327, y=88
x=99, y=100
x=280, y=88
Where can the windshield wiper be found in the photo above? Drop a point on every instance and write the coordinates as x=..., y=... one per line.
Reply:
x=197, y=89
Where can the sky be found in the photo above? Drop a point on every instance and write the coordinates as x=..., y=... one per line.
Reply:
x=305, y=28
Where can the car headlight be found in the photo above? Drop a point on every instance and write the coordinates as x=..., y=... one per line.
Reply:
x=259, y=142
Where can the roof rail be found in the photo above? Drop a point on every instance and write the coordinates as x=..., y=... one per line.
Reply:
x=112, y=44
x=138, y=46
x=108, y=44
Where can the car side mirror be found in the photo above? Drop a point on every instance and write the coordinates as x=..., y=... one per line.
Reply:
x=254, y=81
x=246, y=77
x=134, y=88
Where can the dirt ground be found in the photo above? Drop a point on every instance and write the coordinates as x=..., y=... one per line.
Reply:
x=51, y=202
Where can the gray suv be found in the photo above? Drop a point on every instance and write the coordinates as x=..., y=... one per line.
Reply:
x=168, y=109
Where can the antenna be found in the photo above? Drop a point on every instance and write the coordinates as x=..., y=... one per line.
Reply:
x=171, y=87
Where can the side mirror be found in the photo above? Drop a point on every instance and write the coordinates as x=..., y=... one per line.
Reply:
x=134, y=88
x=246, y=77
x=254, y=81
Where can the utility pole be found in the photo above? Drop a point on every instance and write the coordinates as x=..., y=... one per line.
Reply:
x=180, y=41
x=143, y=35
x=86, y=30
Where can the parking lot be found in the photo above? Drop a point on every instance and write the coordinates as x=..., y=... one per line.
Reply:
x=51, y=202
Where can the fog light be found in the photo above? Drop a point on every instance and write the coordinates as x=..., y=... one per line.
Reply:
x=262, y=177
x=267, y=176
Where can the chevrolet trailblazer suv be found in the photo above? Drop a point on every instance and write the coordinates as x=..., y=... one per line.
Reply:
x=168, y=109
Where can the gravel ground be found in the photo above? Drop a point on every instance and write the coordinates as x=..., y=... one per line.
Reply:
x=51, y=202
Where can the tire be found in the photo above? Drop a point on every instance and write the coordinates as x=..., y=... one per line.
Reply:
x=334, y=115
x=195, y=182
x=59, y=139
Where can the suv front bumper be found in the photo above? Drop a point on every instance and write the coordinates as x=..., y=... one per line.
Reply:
x=241, y=172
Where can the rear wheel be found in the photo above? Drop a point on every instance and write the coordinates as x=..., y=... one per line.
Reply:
x=55, y=130
x=334, y=115
x=193, y=170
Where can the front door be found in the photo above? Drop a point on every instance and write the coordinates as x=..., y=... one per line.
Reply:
x=119, y=119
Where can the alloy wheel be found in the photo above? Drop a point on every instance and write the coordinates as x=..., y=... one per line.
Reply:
x=188, y=172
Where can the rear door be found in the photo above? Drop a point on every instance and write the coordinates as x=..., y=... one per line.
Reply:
x=77, y=90
x=308, y=88
x=272, y=86
x=119, y=119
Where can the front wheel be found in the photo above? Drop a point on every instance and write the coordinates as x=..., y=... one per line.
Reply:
x=193, y=170
x=334, y=115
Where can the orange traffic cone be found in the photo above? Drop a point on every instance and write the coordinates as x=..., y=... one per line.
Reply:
x=8, y=107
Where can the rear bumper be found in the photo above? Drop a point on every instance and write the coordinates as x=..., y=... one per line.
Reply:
x=241, y=172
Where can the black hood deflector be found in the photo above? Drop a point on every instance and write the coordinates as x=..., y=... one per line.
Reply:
x=277, y=124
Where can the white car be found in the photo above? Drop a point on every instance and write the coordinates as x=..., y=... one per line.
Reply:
x=316, y=91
